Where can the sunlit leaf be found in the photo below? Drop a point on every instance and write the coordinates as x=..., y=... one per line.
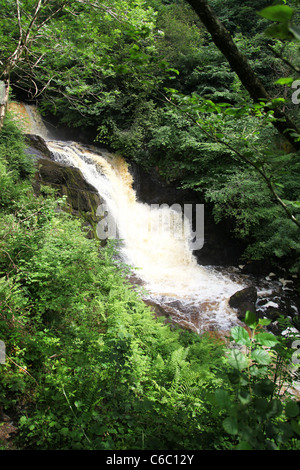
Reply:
x=238, y=360
x=250, y=319
x=261, y=357
x=285, y=81
x=281, y=13
x=240, y=335
x=266, y=339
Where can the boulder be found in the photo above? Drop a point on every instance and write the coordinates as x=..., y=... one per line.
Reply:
x=69, y=181
x=82, y=198
x=244, y=300
x=37, y=146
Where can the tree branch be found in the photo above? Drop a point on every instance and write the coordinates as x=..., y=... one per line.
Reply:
x=244, y=159
x=286, y=61
x=241, y=66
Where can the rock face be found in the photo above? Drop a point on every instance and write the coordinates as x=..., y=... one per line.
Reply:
x=244, y=300
x=82, y=198
x=37, y=147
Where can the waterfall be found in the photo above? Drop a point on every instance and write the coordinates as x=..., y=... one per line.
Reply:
x=194, y=296
x=29, y=119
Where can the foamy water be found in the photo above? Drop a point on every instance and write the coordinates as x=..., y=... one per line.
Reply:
x=155, y=241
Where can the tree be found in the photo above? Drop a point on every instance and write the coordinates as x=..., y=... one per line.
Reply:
x=23, y=23
x=224, y=42
x=40, y=37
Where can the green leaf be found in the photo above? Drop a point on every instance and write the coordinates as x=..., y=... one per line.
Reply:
x=264, y=321
x=231, y=111
x=266, y=339
x=23, y=420
x=238, y=360
x=244, y=397
x=243, y=445
x=285, y=81
x=240, y=335
x=286, y=430
x=250, y=319
x=260, y=371
x=230, y=425
x=222, y=398
x=275, y=408
x=261, y=356
x=296, y=426
x=64, y=431
x=277, y=101
x=261, y=405
x=173, y=70
x=291, y=409
x=278, y=31
x=281, y=13
x=264, y=388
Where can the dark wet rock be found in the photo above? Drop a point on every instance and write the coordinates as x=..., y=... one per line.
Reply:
x=257, y=268
x=156, y=308
x=37, y=146
x=82, y=198
x=273, y=314
x=243, y=301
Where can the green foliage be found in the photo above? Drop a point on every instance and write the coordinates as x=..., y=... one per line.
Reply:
x=245, y=199
x=238, y=17
x=282, y=28
x=97, y=59
x=257, y=414
x=14, y=166
x=88, y=366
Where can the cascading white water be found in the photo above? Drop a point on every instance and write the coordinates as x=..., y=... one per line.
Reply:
x=195, y=296
x=166, y=265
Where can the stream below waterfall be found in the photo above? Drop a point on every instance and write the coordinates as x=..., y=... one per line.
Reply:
x=155, y=241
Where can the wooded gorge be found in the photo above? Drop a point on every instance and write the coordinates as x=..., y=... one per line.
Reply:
x=202, y=98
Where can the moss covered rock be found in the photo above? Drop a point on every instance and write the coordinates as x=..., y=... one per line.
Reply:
x=82, y=198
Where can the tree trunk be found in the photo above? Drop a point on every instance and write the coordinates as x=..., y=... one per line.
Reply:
x=241, y=66
x=4, y=93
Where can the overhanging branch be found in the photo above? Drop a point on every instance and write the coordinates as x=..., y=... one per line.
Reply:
x=239, y=63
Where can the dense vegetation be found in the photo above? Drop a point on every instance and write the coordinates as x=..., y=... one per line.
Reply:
x=131, y=78
x=87, y=364
x=89, y=367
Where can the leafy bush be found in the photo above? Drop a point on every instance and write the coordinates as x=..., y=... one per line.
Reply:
x=259, y=411
x=88, y=366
